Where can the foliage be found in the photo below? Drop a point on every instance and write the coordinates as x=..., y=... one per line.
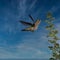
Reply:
x=52, y=36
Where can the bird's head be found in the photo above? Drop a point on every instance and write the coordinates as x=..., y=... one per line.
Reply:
x=37, y=22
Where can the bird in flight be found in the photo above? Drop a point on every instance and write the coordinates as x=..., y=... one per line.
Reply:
x=31, y=26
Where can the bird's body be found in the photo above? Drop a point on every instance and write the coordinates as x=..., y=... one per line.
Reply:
x=31, y=27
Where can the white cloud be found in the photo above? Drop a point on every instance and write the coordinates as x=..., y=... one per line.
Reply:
x=36, y=53
x=22, y=8
x=6, y=54
x=9, y=23
x=54, y=8
x=32, y=5
x=22, y=51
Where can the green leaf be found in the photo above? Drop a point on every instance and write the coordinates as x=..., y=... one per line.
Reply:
x=56, y=38
x=49, y=15
x=51, y=26
x=56, y=45
x=54, y=31
x=48, y=28
x=54, y=54
x=51, y=59
x=52, y=18
x=47, y=21
x=59, y=52
x=51, y=34
x=50, y=47
x=52, y=41
x=59, y=56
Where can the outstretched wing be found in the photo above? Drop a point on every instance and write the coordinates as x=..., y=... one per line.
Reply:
x=25, y=23
x=31, y=17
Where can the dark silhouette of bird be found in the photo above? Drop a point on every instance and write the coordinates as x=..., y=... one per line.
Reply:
x=31, y=26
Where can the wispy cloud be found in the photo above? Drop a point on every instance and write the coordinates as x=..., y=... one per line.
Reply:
x=31, y=47
x=22, y=8
x=32, y=5
x=54, y=9
x=36, y=53
x=22, y=51
x=9, y=22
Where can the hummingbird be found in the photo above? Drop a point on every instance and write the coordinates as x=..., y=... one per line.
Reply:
x=31, y=26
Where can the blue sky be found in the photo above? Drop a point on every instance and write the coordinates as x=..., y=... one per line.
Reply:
x=17, y=44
